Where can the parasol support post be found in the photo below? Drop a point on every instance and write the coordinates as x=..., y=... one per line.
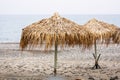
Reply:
x=96, y=57
x=55, y=58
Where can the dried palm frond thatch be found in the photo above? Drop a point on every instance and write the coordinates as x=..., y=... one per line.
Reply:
x=49, y=30
x=116, y=36
x=100, y=30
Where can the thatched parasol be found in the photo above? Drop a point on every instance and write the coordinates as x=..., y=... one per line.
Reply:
x=54, y=31
x=116, y=36
x=100, y=31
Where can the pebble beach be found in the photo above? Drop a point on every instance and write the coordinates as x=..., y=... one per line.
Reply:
x=73, y=63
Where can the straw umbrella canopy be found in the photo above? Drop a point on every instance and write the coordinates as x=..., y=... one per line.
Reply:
x=53, y=31
x=100, y=31
x=116, y=36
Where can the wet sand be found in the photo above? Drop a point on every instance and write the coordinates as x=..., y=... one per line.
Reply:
x=73, y=63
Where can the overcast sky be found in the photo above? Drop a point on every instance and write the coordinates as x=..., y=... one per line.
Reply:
x=61, y=6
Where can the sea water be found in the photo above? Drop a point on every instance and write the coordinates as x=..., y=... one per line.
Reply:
x=11, y=25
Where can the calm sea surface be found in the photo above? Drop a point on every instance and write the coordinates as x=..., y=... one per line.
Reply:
x=11, y=25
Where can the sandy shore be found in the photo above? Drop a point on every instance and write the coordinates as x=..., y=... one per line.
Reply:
x=73, y=64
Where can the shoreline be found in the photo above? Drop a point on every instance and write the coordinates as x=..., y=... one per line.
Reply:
x=9, y=42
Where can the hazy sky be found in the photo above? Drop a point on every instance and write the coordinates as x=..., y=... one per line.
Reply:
x=61, y=6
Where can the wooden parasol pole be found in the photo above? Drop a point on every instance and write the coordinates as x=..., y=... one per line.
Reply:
x=55, y=57
x=96, y=57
